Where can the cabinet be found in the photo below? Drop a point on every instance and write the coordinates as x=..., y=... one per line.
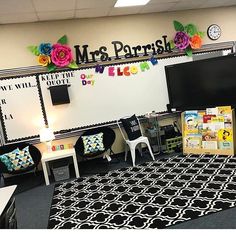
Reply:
x=205, y=133
x=156, y=130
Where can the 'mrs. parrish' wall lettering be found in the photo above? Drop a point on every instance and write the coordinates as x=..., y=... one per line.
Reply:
x=83, y=55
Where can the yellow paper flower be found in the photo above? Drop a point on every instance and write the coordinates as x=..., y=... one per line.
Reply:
x=43, y=60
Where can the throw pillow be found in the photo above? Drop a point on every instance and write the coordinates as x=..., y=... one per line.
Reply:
x=131, y=127
x=93, y=143
x=21, y=159
x=4, y=158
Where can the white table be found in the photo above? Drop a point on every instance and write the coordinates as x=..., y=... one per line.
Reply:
x=55, y=155
x=5, y=196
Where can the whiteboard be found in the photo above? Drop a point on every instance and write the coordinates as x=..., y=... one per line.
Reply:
x=97, y=98
x=21, y=109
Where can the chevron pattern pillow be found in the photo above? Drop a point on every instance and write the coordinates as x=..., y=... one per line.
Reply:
x=4, y=158
x=21, y=159
x=93, y=143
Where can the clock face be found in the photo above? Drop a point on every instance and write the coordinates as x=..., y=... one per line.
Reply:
x=214, y=31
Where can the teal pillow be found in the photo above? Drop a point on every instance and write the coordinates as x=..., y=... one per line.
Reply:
x=93, y=143
x=6, y=160
x=21, y=159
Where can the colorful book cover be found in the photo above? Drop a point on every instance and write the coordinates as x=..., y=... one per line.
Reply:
x=208, y=135
x=193, y=141
x=224, y=110
x=212, y=111
x=218, y=119
x=209, y=144
x=190, y=119
x=225, y=145
x=214, y=126
x=207, y=118
x=225, y=135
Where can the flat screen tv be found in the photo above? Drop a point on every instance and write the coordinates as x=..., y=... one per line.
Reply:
x=59, y=94
x=202, y=84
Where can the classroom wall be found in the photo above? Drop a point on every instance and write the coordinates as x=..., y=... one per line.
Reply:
x=96, y=32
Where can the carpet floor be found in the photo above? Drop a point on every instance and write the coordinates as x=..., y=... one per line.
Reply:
x=155, y=194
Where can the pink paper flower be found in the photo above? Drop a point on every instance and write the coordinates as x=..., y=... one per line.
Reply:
x=181, y=40
x=61, y=55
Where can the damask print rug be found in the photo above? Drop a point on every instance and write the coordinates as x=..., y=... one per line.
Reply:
x=155, y=194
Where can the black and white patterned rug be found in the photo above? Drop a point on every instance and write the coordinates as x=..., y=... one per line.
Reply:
x=156, y=194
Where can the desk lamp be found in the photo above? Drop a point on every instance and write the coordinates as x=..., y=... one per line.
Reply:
x=46, y=135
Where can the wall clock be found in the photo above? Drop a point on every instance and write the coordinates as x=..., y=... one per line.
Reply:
x=214, y=31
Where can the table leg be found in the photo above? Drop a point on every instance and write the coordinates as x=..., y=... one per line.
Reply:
x=76, y=166
x=45, y=172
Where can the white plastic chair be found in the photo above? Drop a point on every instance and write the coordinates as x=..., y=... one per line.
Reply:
x=134, y=143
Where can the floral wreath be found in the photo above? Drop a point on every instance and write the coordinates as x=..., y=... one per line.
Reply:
x=54, y=56
x=187, y=38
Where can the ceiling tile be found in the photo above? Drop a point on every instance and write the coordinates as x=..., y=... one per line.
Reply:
x=217, y=3
x=160, y=7
x=52, y=5
x=12, y=6
x=58, y=15
x=125, y=10
x=83, y=4
x=18, y=18
x=86, y=13
x=187, y=4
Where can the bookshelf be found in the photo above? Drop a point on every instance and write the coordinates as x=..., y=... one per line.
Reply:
x=205, y=133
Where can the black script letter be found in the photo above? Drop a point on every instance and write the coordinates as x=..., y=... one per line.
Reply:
x=128, y=53
x=104, y=55
x=81, y=56
x=160, y=49
x=167, y=44
x=145, y=48
x=117, y=49
x=136, y=49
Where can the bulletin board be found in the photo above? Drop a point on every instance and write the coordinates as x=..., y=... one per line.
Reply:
x=95, y=97
x=21, y=108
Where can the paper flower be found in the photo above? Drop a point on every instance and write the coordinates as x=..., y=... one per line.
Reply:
x=181, y=40
x=45, y=48
x=196, y=42
x=61, y=55
x=53, y=56
x=187, y=38
x=43, y=60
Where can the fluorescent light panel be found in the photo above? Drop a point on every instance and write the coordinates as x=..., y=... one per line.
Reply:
x=130, y=3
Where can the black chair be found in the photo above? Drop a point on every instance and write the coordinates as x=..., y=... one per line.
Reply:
x=34, y=152
x=108, y=139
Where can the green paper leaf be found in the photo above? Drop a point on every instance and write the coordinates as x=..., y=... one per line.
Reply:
x=201, y=34
x=172, y=44
x=178, y=26
x=63, y=40
x=190, y=29
x=73, y=65
x=34, y=50
x=189, y=52
x=51, y=67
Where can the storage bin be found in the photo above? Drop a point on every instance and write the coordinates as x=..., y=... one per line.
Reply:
x=60, y=170
x=172, y=143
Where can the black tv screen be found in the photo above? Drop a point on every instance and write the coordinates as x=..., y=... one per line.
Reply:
x=59, y=94
x=202, y=84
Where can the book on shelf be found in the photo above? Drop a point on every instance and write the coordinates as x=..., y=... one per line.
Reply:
x=207, y=118
x=225, y=145
x=209, y=145
x=225, y=135
x=224, y=110
x=193, y=141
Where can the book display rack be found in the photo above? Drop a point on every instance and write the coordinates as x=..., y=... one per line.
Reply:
x=211, y=131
